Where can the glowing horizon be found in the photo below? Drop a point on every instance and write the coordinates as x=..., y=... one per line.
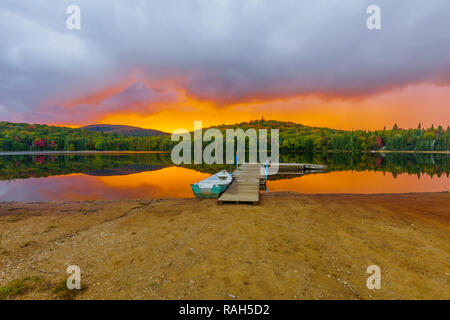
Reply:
x=406, y=107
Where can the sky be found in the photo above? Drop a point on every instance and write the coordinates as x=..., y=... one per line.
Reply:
x=164, y=64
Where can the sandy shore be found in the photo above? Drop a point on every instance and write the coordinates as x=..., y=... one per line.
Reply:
x=291, y=246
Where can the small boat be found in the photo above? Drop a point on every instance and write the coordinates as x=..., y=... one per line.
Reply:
x=212, y=187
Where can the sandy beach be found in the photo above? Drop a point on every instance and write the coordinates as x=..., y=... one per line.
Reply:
x=291, y=246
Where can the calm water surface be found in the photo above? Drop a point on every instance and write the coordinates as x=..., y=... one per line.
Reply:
x=136, y=176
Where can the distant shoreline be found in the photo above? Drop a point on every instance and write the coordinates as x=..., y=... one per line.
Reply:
x=18, y=153
x=406, y=151
x=390, y=151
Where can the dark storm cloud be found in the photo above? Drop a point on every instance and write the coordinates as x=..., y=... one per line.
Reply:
x=226, y=51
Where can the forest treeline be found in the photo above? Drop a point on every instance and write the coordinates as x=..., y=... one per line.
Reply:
x=294, y=137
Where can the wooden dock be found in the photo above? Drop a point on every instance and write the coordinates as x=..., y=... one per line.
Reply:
x=245, y=186
x=249, y=177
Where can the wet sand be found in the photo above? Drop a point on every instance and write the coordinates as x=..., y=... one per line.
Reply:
x=291, y=246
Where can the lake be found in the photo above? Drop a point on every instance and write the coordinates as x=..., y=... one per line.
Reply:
x=153, y=175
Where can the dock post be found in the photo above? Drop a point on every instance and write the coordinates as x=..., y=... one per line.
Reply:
x=267, y=164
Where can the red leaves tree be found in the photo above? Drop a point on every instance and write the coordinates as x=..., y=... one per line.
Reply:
x=379, y=142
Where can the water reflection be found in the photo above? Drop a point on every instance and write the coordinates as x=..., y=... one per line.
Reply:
x=361, y=182
x=136, y=176
x=169, y=182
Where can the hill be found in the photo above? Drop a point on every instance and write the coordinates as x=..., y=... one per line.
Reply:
x=124, y=130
